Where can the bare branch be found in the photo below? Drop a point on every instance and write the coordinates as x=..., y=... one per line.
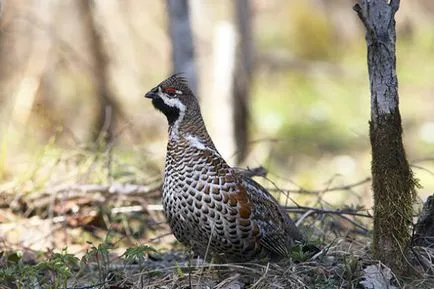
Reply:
x=120, y=189
x=423, y=169
x=64, y=192
x=316, y=192
x=346, y=211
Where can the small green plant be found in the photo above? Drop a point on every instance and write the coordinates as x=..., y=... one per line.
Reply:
x=138, y=254
x=14, y=272
x=178, y=270
x=60, y=268
x=100, y=254
x=53, y=272
x=351, y=269
x=300, y=252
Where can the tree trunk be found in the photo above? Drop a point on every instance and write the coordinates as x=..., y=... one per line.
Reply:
x=424, y=229
x=182, y=41
x=242, y=76
x=102, y=129
x=23, y=74
x=221, y=112
x=393, y=182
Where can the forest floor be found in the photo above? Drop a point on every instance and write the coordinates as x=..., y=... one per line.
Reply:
x=87, y=220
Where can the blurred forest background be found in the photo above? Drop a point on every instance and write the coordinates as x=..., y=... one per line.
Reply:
x=283, y=84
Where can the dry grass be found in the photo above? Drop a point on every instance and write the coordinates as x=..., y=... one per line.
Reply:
x=341, y=265
x=95, y=209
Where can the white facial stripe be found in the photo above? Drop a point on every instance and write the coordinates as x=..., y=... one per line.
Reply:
x=174, y=131
x=173, y=102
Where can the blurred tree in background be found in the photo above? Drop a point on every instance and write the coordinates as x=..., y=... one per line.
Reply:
x=105, y=115
x=282, y=84
x=244, y=67
x=295, y=85
x=182, y=41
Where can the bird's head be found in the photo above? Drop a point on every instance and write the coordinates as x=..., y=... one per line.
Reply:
x=173, y=97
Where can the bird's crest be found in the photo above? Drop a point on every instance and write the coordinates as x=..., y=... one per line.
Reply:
x=177, y=81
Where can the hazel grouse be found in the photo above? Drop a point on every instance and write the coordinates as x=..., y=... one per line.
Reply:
x=210, y=206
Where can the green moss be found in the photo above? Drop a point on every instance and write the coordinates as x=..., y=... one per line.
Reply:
x=394, y=191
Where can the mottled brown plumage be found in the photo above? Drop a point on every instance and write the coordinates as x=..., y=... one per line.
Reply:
x=209, y=205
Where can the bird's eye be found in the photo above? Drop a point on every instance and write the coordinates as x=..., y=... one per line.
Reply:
x=170, y=91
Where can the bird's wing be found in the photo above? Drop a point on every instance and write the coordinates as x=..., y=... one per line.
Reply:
x=278, y=230
x=272, y=227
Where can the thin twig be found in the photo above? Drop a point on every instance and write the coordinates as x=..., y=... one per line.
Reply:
x=423, y=169
x=316, y=192
x=89, y=286
x=303, y=209
x=262, y=277
x=64, y=192
x=361, y=227
x=429, y=159
x=206, y=252
x=160, y=237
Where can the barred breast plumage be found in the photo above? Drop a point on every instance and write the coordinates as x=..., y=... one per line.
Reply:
x=209, y=205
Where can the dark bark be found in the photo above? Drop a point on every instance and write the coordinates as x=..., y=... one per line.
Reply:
x=393, y=182
x=182, y=41
x=242, y=76
x=424, y=229
x=104, y=121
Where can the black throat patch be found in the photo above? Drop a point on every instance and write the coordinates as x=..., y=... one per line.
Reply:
x=171, y=113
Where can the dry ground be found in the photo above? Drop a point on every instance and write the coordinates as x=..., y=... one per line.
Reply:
x=82, y=220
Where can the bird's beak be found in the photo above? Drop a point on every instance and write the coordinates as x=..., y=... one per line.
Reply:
x=152, y=93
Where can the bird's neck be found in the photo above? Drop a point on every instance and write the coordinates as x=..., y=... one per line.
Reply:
x=190, y=130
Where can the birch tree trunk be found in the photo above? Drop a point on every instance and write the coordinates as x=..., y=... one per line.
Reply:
x=220, y=102
x=393, y=182
x=182, y=41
